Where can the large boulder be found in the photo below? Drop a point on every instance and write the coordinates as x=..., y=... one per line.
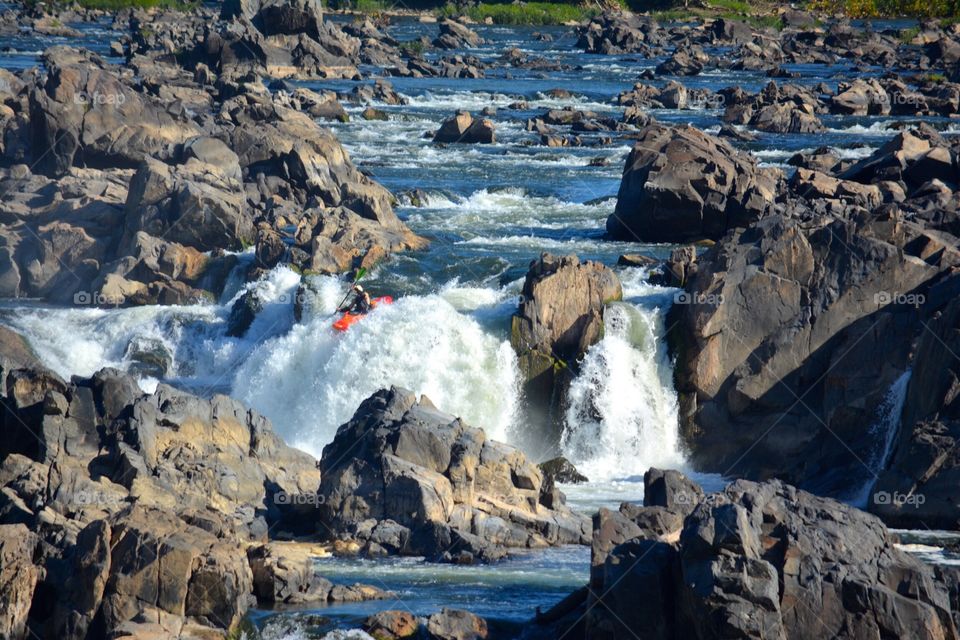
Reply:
x=464, y=128
x=778, y=336
x=456, y=35
x=403, y=477
x=680, y=184
x=757, y=560
x=83, y=113
x=559, y=317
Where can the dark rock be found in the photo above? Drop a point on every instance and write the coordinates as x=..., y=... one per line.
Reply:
x=766, y=558
x=680, y=184
x=562, y=470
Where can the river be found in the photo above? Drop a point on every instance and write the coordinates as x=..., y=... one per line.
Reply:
x=488, y=211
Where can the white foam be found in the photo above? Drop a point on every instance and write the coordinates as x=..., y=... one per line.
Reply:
x=622, y=414
x=312, y=379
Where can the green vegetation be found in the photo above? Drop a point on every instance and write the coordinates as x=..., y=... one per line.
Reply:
x=370, y=6
x=758, y=14
x=890, y=8
x=526, y=13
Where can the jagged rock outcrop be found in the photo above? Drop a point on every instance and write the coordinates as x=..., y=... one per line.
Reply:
x=85, y=114
x=918, y=488
x=783, y=316
x=680, y=184
x=559, y=317
x=127, y=514
x=757, y=560
x=137, y=198
x=616, y=32
x=456, y=35
x=402, y=477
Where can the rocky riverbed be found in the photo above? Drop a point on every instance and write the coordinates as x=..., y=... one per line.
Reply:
x=703, y=246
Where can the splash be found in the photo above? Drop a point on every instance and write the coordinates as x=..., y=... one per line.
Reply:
x=311, y=380
x=622, y=412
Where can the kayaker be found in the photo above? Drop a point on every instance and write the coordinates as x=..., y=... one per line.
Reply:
x=361, y=301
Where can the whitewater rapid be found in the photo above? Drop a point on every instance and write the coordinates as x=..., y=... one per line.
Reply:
x=451, y=345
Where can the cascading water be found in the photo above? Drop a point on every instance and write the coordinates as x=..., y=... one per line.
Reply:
x=311, y=380
x=884, y=430
x=622, y=413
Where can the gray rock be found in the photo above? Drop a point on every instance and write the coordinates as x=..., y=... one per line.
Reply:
x=680, y=184
x=463, y=128
x=413, y=480
x=822, y=567
x=456, y=624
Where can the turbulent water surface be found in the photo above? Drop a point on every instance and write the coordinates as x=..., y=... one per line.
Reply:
x=488, y=211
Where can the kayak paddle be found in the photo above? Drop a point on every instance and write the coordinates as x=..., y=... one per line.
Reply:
x=360, y=273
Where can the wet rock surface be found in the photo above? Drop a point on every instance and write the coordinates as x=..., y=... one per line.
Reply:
x=559, y=317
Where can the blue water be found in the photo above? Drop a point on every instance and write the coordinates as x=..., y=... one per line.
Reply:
x=505, y=594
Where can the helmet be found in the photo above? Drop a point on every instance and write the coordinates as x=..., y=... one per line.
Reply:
x=358, y=288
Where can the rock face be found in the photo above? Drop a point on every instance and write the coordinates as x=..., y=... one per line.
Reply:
x=680, y=184
x=760, y=560
x=919, y=486
x=776, y=339
x=404, y=478
x=146, y=171
x=559, y=317
x=18, y=578
x=125, y=514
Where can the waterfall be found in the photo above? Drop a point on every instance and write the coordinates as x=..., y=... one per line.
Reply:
x=884, y=431
x=622, y=413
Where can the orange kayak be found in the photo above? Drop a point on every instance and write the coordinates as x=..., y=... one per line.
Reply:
x=348, y=319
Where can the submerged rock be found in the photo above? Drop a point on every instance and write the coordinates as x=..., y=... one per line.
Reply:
x=410, y=479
